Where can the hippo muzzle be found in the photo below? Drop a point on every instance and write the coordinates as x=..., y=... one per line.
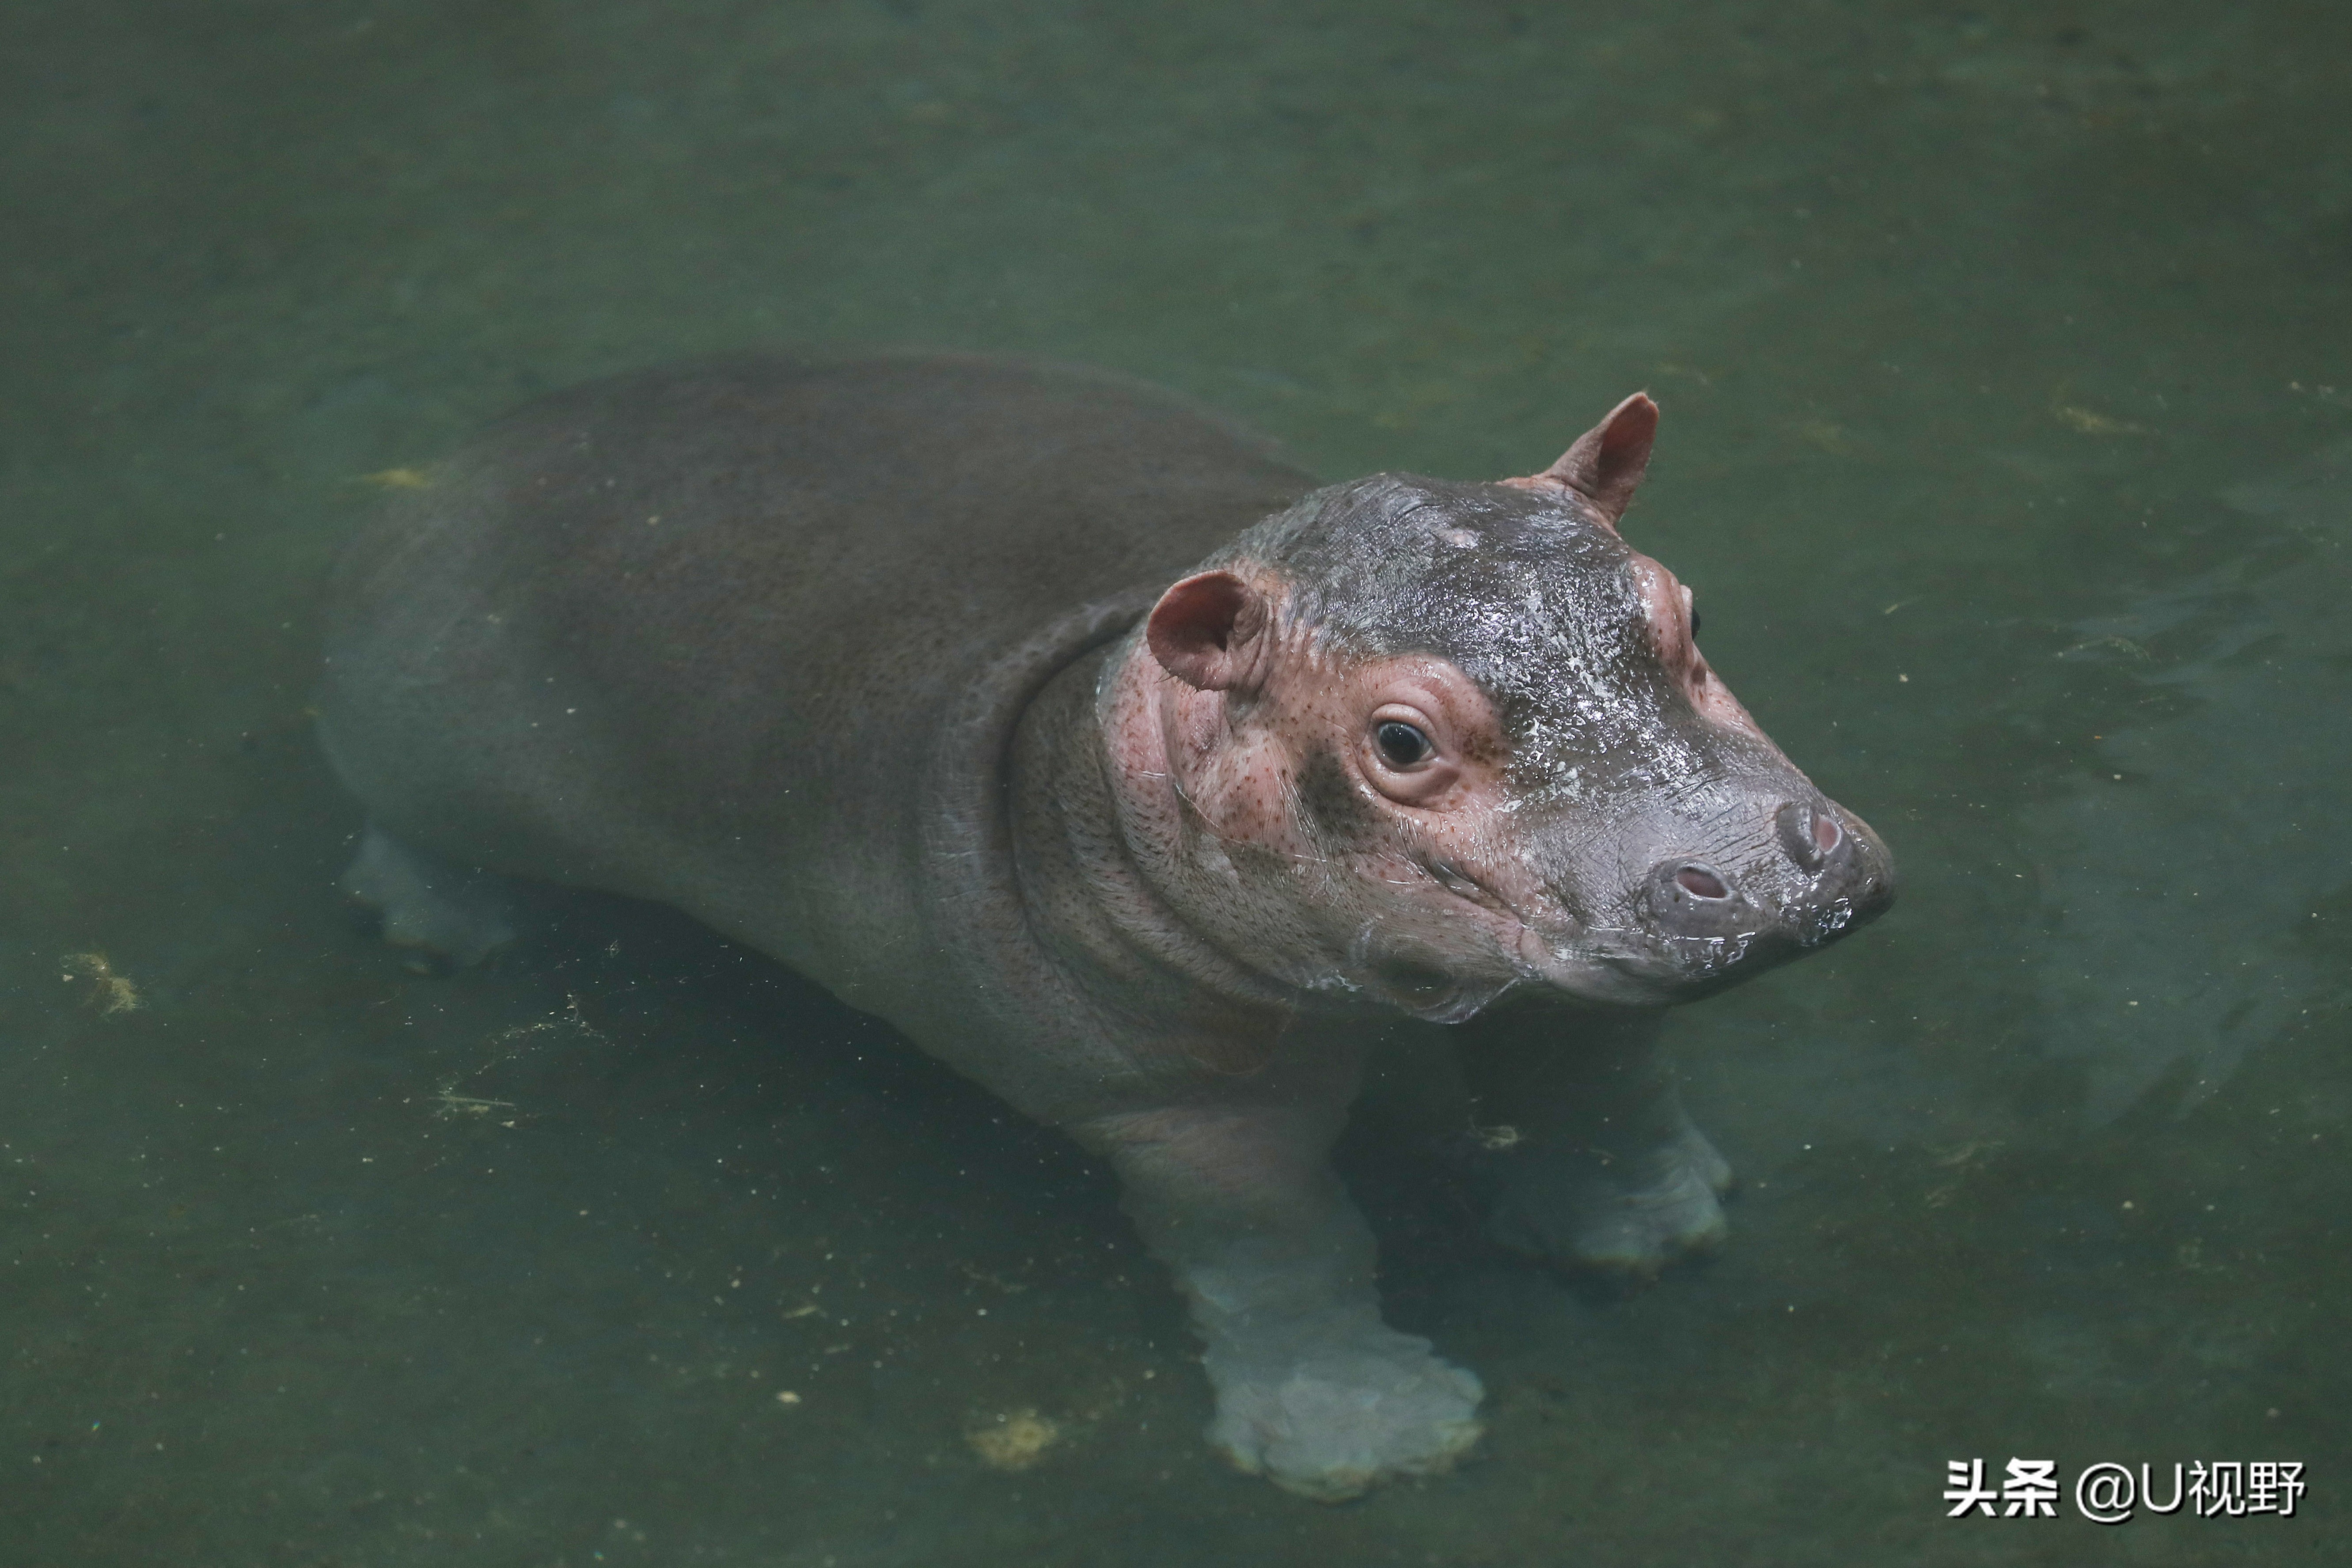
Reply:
x=1791, y=878
x=1718, y=891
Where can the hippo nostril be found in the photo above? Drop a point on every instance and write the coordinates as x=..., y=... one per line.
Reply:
x=1701, y=883
x=1807, y=834
x=1689, y=900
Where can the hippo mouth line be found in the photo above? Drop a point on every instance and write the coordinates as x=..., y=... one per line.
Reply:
x=1803, y=925
x=1568, y=962
x=1651, y=959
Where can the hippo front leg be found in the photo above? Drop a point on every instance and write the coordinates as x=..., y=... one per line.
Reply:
x=427, y=904
x=1606, y=1170
x=1313, y=1390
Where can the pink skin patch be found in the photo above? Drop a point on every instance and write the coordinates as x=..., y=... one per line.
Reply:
x=1349, y=822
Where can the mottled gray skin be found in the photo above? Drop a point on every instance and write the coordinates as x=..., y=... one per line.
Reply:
x=902, y=670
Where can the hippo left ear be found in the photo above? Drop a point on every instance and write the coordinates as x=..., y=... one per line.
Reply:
x=1204, y=631
x=1607, y=462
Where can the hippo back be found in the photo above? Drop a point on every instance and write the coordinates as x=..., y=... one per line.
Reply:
x=694, y=635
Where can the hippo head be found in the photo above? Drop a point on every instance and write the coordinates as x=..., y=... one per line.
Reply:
x=1431, y=741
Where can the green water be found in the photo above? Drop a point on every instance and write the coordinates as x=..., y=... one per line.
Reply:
x=2007, y=443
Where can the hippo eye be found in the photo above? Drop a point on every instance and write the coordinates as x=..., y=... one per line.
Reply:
x=1400, y=743
x=1694, y=623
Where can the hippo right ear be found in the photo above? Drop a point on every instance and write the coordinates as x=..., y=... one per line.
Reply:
x=1205, y=631
x=1607, y=462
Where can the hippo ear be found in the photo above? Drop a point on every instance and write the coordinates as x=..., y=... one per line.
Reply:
x=1607, y=462
x=1204, y=631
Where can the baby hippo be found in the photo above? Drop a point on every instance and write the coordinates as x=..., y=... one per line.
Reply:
x=1072, y=731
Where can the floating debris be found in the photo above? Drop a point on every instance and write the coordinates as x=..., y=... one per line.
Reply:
x=449, y=1103
x=981, y=1277
x=1012, y=1441
x=109, y=993
x=1499, y=1139
x=1829, y=437
x=2090, y=422
x=2111, y=644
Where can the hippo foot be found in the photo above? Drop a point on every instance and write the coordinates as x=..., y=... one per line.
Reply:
x=1334, y=1416
x=1626, y=1218
x=461, y=916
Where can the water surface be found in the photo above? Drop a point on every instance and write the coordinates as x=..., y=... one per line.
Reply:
x=2007, y=444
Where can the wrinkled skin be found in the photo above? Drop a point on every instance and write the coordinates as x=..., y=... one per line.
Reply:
x=852, y=661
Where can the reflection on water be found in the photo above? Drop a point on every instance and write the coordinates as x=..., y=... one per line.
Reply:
x=2002, y=357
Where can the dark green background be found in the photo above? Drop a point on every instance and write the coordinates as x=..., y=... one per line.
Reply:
x=2008, y=445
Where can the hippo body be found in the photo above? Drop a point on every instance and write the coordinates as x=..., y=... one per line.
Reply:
x=907, y=671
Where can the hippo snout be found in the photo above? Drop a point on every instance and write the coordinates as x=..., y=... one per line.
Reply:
x=1824, y=873
x=1853, y=883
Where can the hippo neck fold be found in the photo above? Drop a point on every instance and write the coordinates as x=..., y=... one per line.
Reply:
x=1112, y=931
x=1010, y=917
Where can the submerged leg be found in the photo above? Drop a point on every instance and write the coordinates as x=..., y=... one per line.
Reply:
x=1608, y=1171
x=463, y=916
x=1313, y=1391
